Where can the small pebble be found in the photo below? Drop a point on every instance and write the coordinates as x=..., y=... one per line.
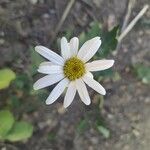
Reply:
x=136, y=132
x=61, y=110
x=147, y=100
x=33, y=1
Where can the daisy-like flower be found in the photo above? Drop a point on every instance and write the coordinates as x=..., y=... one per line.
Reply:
x=72, y=70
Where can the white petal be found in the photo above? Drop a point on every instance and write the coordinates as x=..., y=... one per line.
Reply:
x=48, y=80
x=57, y=91
x=46, y=63
x=82, y=90
x=89, y=74
x=89, y=48
x=74, y=45
x=94, y=85
x=53, y=69
x=50, y=55
x=98, y=65
x=70, y=94
x=65, y=48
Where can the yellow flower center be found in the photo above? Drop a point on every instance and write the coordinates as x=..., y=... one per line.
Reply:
x=74, y=68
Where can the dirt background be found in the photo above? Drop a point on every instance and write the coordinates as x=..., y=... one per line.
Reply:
x=127, y=104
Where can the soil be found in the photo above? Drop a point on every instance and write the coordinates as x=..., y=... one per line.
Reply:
x=126, y=110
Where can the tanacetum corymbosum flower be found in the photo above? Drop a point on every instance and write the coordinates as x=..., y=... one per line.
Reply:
x=71, y=70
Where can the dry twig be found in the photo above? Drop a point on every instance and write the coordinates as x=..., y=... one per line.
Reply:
x=126, y=18
x=132, y=23
x=128, y=14
x=63, y=18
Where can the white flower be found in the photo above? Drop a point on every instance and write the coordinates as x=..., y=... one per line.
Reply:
x=71, y=70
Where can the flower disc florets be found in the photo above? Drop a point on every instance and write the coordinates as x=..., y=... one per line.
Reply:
x=74, y=68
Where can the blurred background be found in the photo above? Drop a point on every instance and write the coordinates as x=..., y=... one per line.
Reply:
x=118, y=121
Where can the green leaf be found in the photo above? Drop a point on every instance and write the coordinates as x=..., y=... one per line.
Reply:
x=101, y=103
x=6, y=76
x=109, y=42
x=20, y=131
x=101, y=127
x=116, y=76
x=69, y=33
x=15, y=102
x=104, y=131
x=36, y=59
x=101, y=75
x=93, y=31
x=82, y=38
x=6, y=122
x=83, y=124
x=143, y=73
x=23, y=82
x=51, y=136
